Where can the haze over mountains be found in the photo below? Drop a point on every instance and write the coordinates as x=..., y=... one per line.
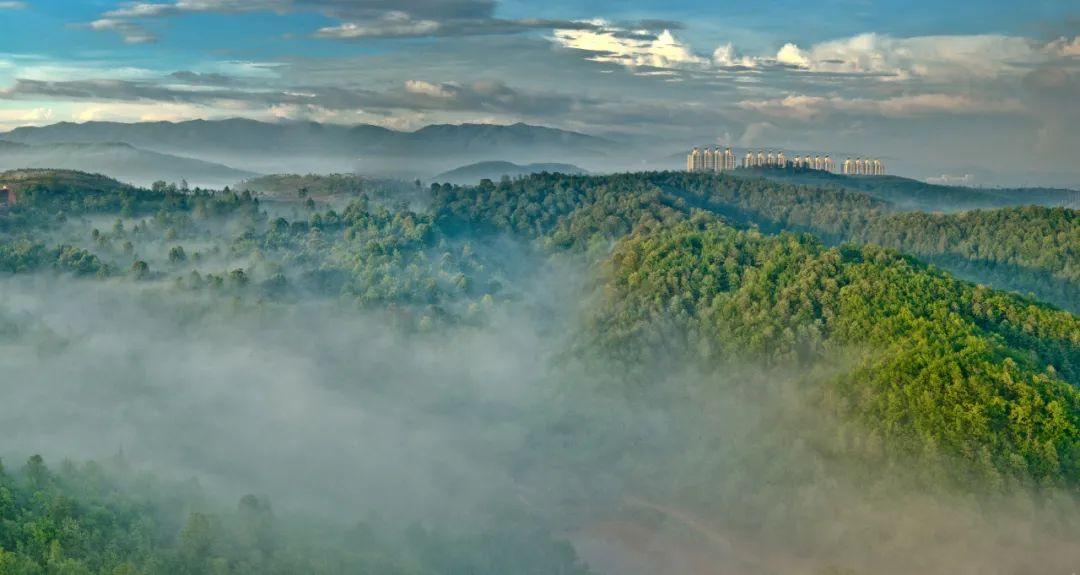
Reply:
x=314, y=147
x=218, y=152
x=119, y=160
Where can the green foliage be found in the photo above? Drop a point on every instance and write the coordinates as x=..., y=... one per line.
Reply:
x=27, y=256
x=102, y=519
x=940, y=365
x=295, y=185
x=1026, y=249
x=909, y=194
x=932, y=364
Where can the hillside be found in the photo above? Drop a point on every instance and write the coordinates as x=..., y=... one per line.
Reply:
x=120, y=161
x=908, y=194
x=1029, y=250
x=300, y=186
x=494, y=170
x=753, y=295
x=69, y=181
x=515, y=366
x=309, y=146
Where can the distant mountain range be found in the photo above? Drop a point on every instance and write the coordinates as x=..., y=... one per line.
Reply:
x=473, y=173
x=121, y=161
x=314, y=147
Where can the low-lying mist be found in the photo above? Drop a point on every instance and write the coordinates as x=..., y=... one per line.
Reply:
x=337, y=414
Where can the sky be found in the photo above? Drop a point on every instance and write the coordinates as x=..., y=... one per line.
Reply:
x=988, y=86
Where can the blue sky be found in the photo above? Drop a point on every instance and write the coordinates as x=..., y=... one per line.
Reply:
x=940, y=85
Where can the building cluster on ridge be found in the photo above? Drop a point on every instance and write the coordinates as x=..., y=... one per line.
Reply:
x=717, y=160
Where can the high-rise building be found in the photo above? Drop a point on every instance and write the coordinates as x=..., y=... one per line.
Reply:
x=715, y=159
x=695, y=162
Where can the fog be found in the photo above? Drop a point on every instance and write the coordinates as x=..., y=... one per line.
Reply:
x=292, y=401
x=336, y=414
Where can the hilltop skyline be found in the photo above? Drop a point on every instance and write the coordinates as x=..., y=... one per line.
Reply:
x=971, y=86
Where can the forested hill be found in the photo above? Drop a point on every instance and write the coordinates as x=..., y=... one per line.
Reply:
x=62, y=181
x=1026, y=249
x=943, y=365
x=686, y=285
x=121, y=161
x=106, y=518
x=473, y=173
x=1023, y=249
x=909, y=194
x=895, y=368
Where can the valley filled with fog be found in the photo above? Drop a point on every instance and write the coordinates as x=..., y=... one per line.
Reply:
x=639, y=373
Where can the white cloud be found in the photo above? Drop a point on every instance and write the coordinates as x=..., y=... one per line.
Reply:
x=425, y=88
x=137, y=112
x=12, y=5
x=158, y=9
x=802, y=107
x=791, y=55
x=389, y=25
x=10, y=118
x=985, y=55
x=1065, y=48
x=947, y=57
x=757, y=133
x=131, y=33
x=726, y=57
x=633, y=48
x=794, y=106
x=48, y=70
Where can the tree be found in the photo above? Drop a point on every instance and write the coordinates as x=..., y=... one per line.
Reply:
x=140, y=269
x=177, y=255
x=238, y=278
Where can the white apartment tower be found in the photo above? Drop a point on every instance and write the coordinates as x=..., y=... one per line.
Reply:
x=695, y=162
x=711, y=160
x=863, y=167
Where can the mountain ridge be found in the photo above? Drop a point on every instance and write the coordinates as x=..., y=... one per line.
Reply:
x=268, y=147
x=119, y=160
